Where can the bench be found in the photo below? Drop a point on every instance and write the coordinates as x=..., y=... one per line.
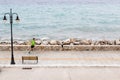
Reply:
x=29, y=58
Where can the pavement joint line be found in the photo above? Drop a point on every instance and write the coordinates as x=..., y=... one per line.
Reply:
x=89, y=58
x=58, y=66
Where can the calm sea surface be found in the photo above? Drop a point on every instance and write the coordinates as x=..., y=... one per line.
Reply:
x=62, y=21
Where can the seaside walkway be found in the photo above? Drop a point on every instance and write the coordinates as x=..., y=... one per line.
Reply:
x=65, y=58
x=62, y=65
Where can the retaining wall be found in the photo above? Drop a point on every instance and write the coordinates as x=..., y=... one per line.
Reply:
x=65, y=48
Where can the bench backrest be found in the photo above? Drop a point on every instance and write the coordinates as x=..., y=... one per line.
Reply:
x=29, y=57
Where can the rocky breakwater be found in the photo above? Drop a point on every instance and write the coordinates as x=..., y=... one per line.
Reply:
x=64, y=45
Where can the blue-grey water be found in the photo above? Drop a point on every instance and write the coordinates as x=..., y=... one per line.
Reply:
x=62, y=21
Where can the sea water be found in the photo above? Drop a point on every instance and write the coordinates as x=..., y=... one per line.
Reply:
x=62, y=21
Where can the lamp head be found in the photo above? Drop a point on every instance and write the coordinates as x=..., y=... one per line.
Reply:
x=5, y=19
x=17, y=18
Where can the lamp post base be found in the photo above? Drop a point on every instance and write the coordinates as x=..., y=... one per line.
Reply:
x=12, y=62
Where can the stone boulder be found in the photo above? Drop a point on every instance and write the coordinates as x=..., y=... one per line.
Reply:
x=101, y=42
x=111, y=42
x=38, y=42
x=95, y=43
x=117, y=42
x=15, y=42
x=76, y=43
x=21, y=43
x=44, y=42
x=27, y=42
x=66, y=42
x=5, y=42
x=59, y=42
x=72, y=40
x=53, y=42
x=85, y=42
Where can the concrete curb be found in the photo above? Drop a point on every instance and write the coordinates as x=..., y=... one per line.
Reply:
x=58, y=66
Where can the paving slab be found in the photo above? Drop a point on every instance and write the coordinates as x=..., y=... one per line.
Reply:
x=83, y=73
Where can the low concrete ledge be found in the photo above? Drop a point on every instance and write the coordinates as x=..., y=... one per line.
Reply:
x=65, y=48
x=59, y=66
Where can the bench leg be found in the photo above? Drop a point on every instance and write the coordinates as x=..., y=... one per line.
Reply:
x=37, y=59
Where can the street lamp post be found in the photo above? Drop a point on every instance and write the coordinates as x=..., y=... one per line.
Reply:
x=11, y=22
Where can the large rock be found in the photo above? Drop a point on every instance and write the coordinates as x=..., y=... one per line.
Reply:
x=111, y=42
x=5, y=42
x=38, y=42
x=117, y=42
x=76, y=43
x=45, y=43
x=27, y=42
x=59, y=42
x=15, y=42
x=72, y=40
x=53, y=42
x=96, y=43
x=85, y=42
x=66, y=42
x=102, y=42
x=21, y=42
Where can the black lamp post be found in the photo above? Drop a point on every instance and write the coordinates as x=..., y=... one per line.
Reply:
x=11, y=22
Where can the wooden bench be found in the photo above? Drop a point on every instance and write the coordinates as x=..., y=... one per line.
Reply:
x=29, y=58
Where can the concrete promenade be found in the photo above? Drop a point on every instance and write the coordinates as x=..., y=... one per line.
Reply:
x=64, y=58
x=81, y=73
x=62, y=65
